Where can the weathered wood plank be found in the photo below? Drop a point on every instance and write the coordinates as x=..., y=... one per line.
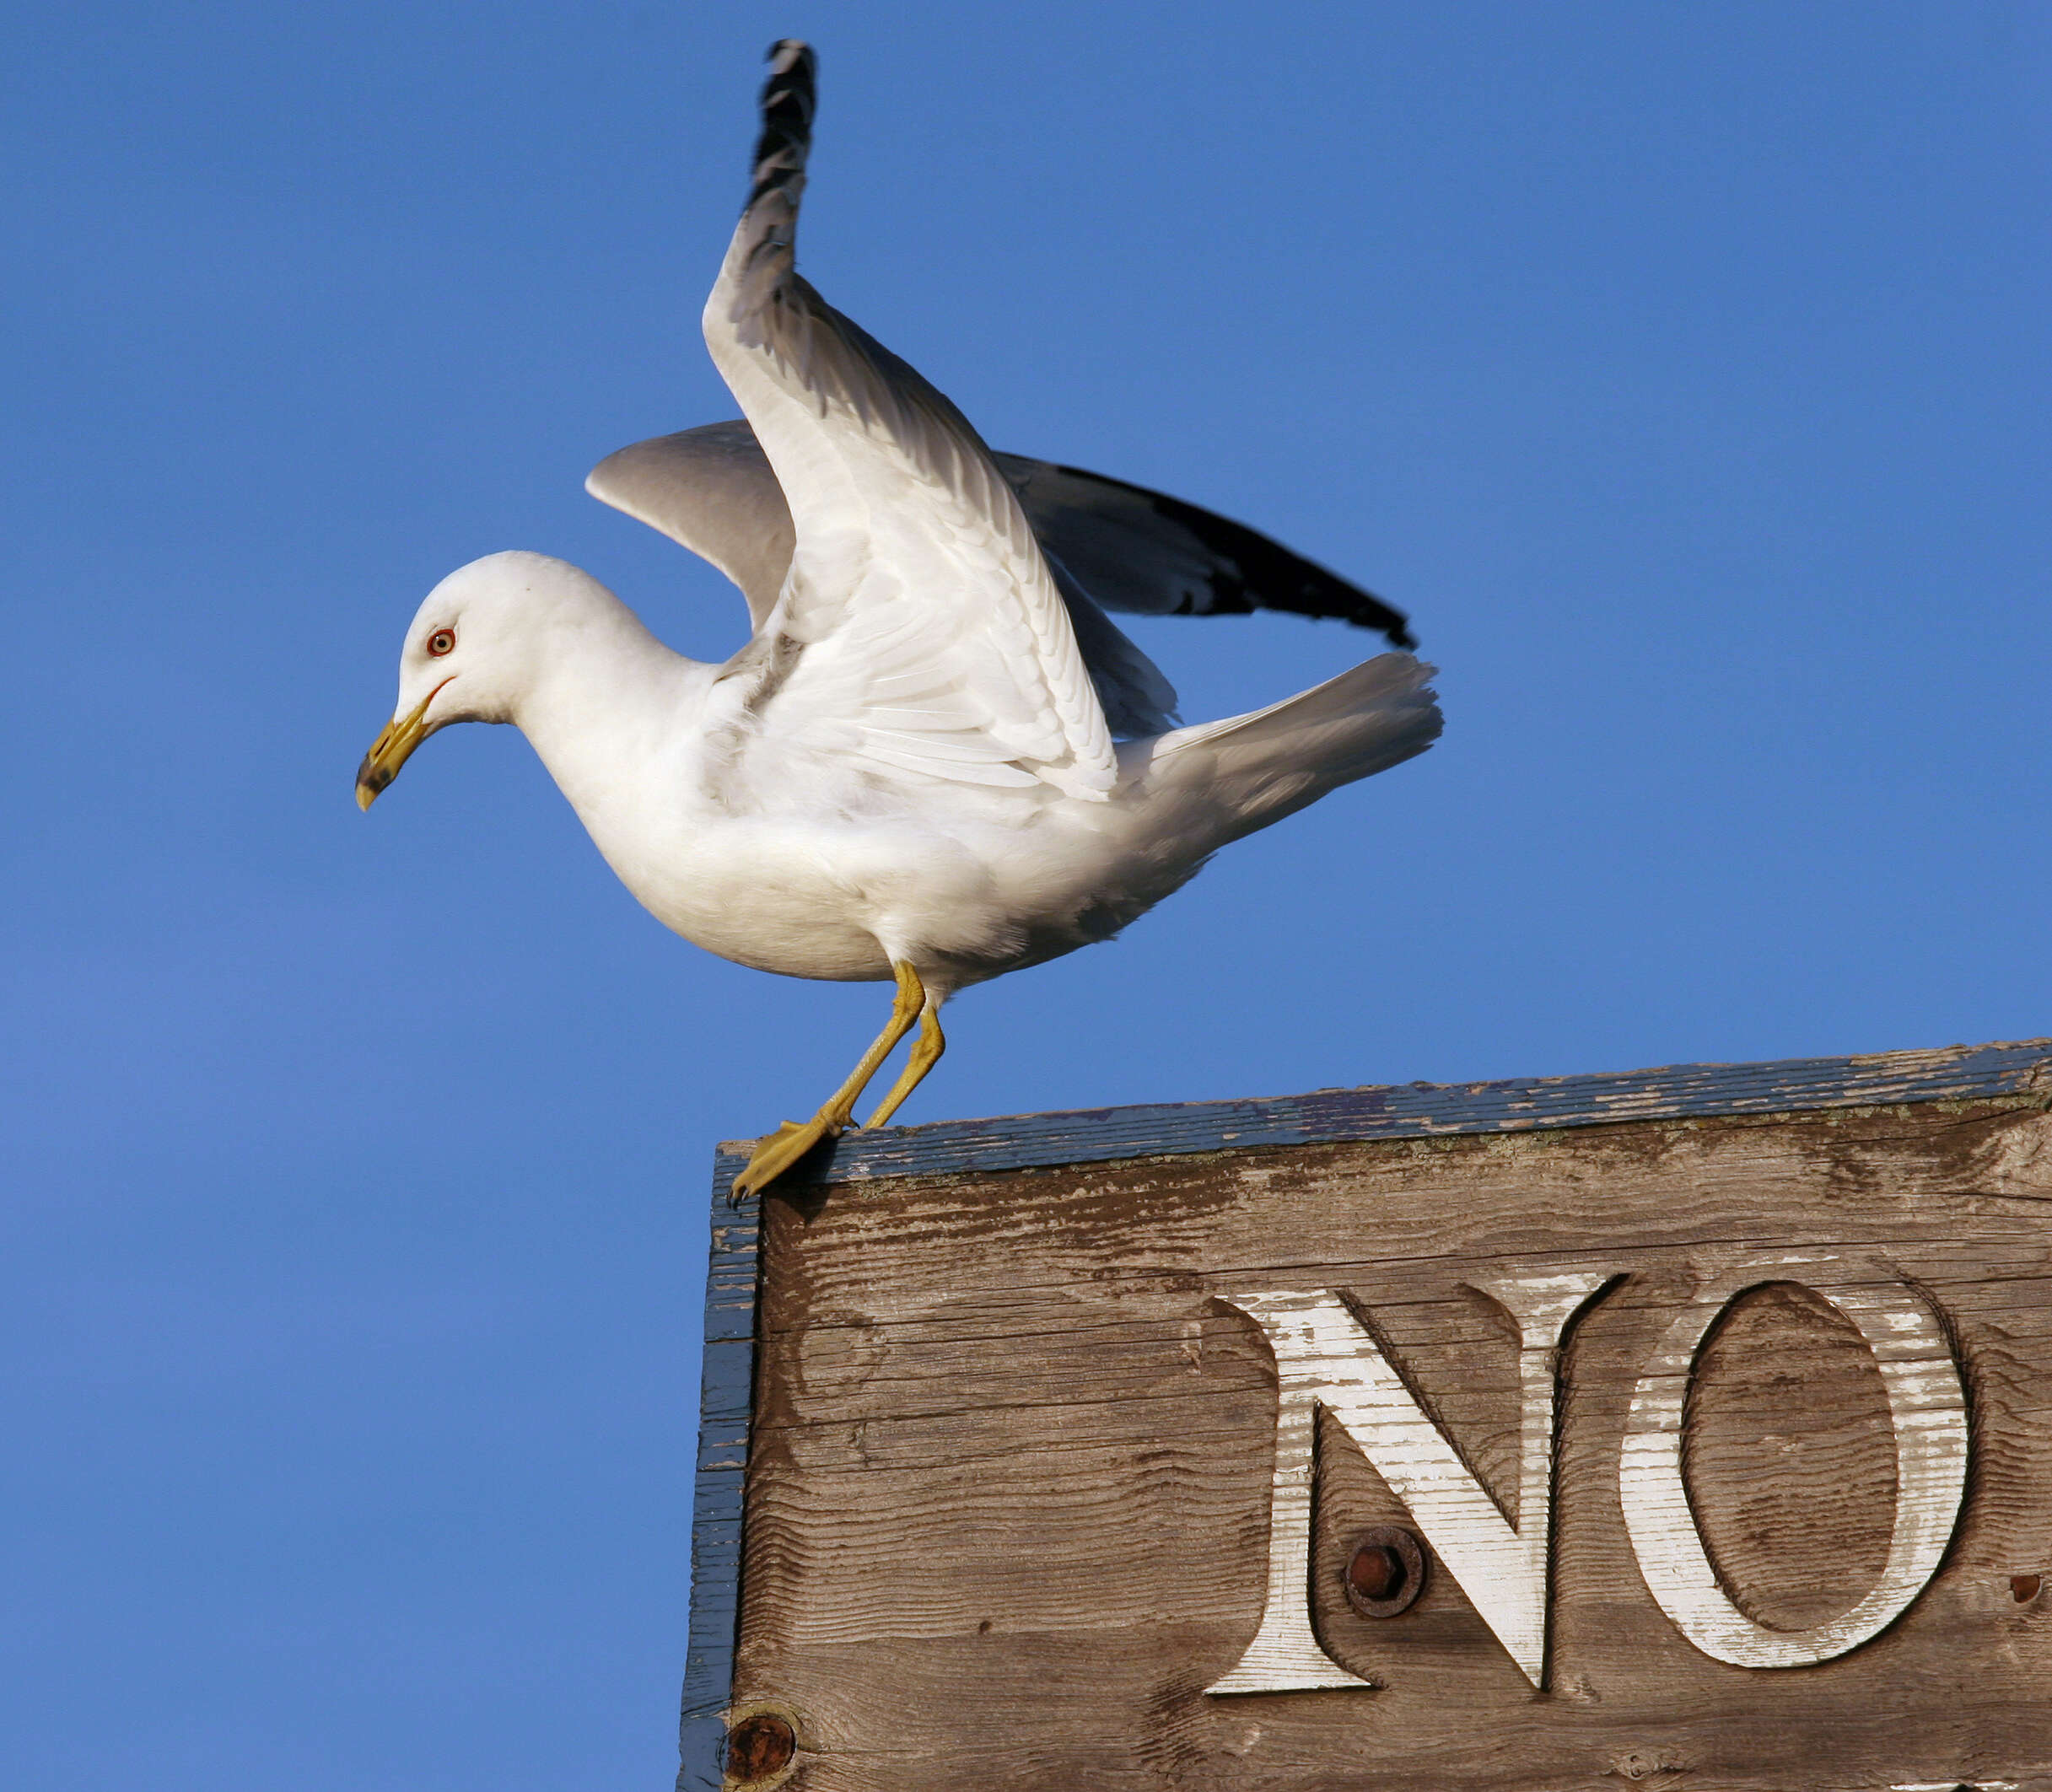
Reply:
x=1010, y=1445
x=1330, y=1115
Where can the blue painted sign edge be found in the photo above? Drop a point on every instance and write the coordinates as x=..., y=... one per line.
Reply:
x=1412, y=1109
x=1101, y=1135
x=726, y=1399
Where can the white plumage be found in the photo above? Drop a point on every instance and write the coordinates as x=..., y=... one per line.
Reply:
x=910, y=770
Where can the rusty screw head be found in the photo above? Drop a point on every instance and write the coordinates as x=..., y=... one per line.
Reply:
x=1385, y=1572
x=759, y=1747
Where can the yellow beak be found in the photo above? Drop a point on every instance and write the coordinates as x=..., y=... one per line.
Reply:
x=389, y=752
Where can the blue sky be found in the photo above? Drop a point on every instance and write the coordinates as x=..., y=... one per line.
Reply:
x=1681, y=369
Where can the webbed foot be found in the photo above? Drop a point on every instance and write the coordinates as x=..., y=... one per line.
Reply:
x=776, y=1152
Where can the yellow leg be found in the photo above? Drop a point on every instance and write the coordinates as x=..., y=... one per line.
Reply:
x=926, y=1051
x=777, y=1152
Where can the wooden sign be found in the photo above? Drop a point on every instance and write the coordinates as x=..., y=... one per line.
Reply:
x=1689, y=1429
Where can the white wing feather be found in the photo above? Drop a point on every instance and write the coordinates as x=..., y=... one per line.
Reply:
x=919, y=627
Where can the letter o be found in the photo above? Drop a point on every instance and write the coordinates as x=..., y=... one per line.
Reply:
x=1926, y=1406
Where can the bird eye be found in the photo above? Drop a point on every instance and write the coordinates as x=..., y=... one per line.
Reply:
x=441, y=641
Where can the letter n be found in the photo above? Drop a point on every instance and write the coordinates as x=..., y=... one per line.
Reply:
x=1325, y=1358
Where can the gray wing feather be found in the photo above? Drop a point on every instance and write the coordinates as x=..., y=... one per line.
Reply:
x=1137, y=700
x=711, y=490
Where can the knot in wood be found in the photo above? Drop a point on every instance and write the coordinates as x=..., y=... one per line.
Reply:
x=759, y=1747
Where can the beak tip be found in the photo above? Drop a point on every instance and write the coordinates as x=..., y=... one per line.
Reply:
x=371, y=777
x=396, y=741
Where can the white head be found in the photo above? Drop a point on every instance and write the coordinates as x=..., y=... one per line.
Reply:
x=479, y=645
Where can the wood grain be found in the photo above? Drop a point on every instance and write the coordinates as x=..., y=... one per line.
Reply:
x=1787, y=1422
x=1096, y=1135
x=1009, y=1459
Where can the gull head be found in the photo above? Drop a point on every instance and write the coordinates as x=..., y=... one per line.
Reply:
x=476, y=646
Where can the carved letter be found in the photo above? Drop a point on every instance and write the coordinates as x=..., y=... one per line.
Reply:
x=1929, y=1410
x=1324, y=1358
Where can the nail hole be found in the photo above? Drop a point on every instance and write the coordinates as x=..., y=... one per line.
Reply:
x=2023, y=1588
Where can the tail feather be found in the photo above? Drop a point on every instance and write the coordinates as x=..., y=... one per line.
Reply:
x=1247, y=771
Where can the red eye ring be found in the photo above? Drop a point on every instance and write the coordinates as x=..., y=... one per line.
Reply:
x=442, y=641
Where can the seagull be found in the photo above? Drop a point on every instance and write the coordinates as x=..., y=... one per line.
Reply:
x=937, y=759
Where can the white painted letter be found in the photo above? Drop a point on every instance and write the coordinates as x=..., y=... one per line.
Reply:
x=1323, y=1358
x=1926, y=1402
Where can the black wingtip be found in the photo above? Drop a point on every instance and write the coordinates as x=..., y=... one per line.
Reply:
x=790, y=96
x=792, y=63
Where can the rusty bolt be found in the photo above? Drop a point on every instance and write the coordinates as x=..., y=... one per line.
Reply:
x=1375, y=1572
x=759, y=1747
x=1385, y=1572
x=2023, y=1588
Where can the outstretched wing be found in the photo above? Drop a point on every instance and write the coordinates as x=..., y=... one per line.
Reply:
x=1131, y=550
x=919, y=628
x=1149, y=554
